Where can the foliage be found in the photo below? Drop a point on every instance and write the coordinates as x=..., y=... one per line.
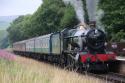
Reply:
x=114, y=18
x=4, y=43
x=118, y=36
x=16, y=29
x=69, y=19
x=51, y=16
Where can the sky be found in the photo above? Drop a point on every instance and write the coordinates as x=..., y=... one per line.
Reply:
x=18, y=7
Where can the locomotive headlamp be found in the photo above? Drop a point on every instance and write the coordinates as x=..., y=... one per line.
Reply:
x=81, y=27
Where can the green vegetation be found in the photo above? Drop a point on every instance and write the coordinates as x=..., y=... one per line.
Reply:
x=114, y=18
x=16, y=31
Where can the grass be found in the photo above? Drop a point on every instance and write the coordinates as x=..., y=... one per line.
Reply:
x=23, y=70
x=10, y=72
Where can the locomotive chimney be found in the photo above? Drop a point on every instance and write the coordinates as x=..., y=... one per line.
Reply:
x=92, y=24
x=91, y=6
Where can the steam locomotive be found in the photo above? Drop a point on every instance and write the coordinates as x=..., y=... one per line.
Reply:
x=80, y=47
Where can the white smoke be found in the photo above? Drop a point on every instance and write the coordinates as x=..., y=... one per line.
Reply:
x=94, y=13
x=91, y=6
x=78, y=6
x=100, y=14
x=92, y=9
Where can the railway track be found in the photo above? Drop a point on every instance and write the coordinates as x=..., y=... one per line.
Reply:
x=116, y=77
x=110, y=77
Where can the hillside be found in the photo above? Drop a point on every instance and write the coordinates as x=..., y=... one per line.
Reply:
x=3, y=33
x=3, y=39
x=5, y=21
x=4, y=24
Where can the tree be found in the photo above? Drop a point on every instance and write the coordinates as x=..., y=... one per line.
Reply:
x=69, y=19
x=16, y=29
x=114, y=17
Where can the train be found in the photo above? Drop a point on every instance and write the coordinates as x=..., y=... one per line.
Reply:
x=80, y=47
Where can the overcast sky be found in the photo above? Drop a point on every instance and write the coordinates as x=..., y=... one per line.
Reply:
x=18, y=7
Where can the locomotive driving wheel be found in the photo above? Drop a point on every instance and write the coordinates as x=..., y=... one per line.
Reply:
x=87, y=68
x=70, y=62
x=62, y=60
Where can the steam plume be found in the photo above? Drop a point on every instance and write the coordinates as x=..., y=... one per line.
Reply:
x=91, y=6
x=78, y=6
